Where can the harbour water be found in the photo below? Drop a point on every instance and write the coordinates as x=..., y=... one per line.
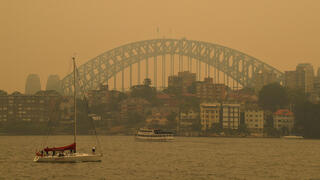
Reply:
x=186, y=158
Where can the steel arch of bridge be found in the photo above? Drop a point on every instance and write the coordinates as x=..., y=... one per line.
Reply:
x=237, y=65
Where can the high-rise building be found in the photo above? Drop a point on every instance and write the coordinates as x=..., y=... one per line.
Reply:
x=230, y=116
x=97, y=97
x=129, y=105
x=264, y=78
x=187, y=79
x=182, y=81
x=33, y=84
x=305, y=76
x=290, y=79
x=53, y=83
x=226, y=116
x=302, y=78
x=209, y=115
x=28, y=108
x=254, y=119
x=317, y=85
x=206, y=91
x=174, y=81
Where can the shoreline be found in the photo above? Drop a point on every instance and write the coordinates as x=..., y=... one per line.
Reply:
x=249, y=137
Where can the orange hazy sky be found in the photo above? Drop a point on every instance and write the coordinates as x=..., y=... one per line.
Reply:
x=40, y=36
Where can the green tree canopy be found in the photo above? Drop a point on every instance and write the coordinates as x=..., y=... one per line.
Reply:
x=273, y=96
x=135, y=119
x=145, y=91
x=3, y=93
x=147, y=82
x=307, y=117
x=16, y=93
x=296, y=96
x=176, y=91
x=172, y=122
x=115, y=98
x=190, y=103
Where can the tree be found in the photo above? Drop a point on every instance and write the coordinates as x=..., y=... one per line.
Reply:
x=135, y=119
x=271, y=132
x=173, y=90
x=3, y=93
x=193, y=88
x=243, y=129
x=16, y=93
x=296, y=96
x=196, y=125
x=85, y=123
x=115, y=98
x=307, y=117
x=216, y=128
x=247, y=90
x=190, y=102
x=147, y=82
x=172, y=122
x=145, y=91
x=273, y=96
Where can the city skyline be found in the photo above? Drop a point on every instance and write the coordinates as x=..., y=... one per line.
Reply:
x=270, y=31
x=169, y=89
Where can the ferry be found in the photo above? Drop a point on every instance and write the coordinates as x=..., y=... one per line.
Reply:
x=148, y=134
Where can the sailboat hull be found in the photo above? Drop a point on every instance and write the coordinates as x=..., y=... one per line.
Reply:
x=58, y=152
x=72, y=158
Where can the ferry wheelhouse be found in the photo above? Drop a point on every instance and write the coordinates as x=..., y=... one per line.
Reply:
x=148, y=134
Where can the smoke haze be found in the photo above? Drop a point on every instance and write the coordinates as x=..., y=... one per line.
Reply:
x=40, y=36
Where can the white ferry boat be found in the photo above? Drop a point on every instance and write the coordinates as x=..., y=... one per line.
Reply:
x=148, y=134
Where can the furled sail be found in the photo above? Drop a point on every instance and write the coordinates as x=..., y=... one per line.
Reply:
x=63, y=148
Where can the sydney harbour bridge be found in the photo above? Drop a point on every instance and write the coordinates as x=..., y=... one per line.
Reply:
x=129, y=64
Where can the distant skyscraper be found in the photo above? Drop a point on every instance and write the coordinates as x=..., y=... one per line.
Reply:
x=264, y=78
x=290, y=79
x=302, y=78
x=317, y=83
x=183, y=80
x=53, y=83
x=305, y=77
x=33, y=84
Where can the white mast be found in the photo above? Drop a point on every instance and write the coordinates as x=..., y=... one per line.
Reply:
x=74, y=99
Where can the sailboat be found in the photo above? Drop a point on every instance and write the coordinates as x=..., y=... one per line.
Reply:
x=68, y=153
